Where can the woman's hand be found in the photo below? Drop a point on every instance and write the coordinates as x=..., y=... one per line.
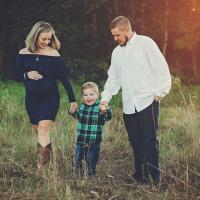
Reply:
x=73, y=107
x=34, y=75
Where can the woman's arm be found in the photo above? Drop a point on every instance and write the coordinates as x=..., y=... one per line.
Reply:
x=63, y=75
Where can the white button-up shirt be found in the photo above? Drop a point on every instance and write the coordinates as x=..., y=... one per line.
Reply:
x=140, y=70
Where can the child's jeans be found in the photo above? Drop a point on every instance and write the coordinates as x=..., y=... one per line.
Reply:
x=89, y=152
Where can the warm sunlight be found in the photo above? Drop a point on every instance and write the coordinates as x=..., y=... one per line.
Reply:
x=100, y=99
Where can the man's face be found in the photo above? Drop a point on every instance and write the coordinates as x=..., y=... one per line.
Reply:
x=120, y=36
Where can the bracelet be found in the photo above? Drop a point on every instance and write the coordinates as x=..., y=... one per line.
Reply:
x=25, y=76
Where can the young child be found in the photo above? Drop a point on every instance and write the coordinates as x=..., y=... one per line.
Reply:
x=89, y=129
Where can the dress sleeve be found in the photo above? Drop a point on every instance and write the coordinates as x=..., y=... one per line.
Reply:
x=19, y=69
x=64, y=76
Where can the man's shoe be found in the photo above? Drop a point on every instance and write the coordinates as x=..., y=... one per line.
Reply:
x=156, y=181
x=141, y=179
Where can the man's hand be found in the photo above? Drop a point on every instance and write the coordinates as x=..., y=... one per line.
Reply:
x=103, y=106
x=157, y=98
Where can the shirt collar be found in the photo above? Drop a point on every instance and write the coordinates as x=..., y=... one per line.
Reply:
x=132, y=39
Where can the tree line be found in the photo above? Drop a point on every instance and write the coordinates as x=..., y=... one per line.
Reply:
x=86, y=43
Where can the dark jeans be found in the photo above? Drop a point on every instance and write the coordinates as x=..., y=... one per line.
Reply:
x=90, y=153
x=142, y=132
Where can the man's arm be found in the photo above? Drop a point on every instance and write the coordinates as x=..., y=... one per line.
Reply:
x=112, y=84
x=160, y=70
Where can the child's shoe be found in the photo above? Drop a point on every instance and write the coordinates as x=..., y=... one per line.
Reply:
x=79, y=171
x=91, y=172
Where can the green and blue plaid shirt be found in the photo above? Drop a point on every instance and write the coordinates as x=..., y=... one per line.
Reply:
x=90, y=123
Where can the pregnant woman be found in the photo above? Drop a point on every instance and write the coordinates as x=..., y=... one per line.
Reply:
x=38, y=66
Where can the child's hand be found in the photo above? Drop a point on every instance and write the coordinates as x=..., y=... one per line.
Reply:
x=103, y=108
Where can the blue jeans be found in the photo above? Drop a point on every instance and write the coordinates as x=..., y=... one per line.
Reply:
x=89, y=153
x=142, y=133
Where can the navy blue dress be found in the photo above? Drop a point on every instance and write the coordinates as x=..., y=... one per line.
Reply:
x=42, y=96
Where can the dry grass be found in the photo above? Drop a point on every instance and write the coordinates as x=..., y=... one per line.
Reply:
x=179, y=137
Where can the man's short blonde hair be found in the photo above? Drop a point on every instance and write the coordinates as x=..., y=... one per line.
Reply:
x=121, y=22
x=90, y=85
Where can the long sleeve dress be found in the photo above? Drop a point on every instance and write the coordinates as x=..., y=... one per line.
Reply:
x=42, y=98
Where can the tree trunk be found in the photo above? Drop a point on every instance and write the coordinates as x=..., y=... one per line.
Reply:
x=165, y=42
x=2, y=39
x=194, y=63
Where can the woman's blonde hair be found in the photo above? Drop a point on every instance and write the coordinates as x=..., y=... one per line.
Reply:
x=38, y=28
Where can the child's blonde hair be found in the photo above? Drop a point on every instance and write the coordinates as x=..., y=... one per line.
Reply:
x=90, y=85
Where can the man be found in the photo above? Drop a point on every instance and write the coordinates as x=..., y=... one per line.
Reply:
x=140, y=70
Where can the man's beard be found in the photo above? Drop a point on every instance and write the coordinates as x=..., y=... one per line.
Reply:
x=125, y=42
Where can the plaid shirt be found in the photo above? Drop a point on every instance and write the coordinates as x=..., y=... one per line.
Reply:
x=90, y=123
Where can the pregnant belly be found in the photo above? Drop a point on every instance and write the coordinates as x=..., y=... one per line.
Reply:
x=43, y=88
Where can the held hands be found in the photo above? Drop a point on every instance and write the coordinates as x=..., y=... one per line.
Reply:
x=73, y=107
x=103, y=106
x=34, y=75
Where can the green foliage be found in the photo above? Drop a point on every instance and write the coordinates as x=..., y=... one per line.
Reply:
x=86, y=42
x=88, y=70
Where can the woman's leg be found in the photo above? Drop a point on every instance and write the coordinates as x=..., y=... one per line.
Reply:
x=45, y=150
x=44, y=128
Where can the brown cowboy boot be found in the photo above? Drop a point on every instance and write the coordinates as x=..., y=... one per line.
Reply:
x=44, y=155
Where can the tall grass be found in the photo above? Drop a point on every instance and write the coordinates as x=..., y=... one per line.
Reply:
x=179, y=136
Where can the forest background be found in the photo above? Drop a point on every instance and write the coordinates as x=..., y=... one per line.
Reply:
x=83, y=29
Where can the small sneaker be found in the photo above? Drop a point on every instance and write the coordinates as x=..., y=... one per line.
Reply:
x=91, y=172
x=79, y=172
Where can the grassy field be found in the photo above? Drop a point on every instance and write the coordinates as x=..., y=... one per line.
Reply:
x=179, y=137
